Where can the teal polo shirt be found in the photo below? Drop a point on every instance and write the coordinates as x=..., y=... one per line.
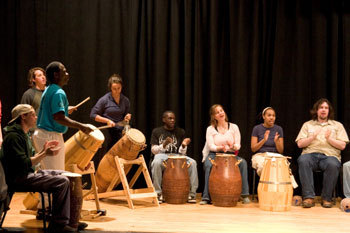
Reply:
x=53, y=100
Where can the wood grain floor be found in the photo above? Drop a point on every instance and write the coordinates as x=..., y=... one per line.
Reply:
x=196, y=218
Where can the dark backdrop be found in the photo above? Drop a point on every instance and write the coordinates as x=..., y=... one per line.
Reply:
x=186, y=56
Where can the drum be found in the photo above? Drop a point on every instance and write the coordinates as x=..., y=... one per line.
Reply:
x=275, y=189
x=80, y=148
x=76, y=197
x=176, y=182
x=128, y=147
x=225, y=182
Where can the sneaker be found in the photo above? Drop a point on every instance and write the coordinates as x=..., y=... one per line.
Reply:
x=204, y=202
x=191, y=199
x=246, y=200
x=160, y=198
x=58, y=228
x=308, y=203
x=326, y=204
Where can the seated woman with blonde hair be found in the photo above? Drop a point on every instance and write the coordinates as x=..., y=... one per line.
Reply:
x=266, y=137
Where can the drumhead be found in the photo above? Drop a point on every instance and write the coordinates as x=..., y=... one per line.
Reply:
x=176, y=156
x=136, y=136
x=96, y=133
x=225, y=155
x=270, y=154
x=71, y=174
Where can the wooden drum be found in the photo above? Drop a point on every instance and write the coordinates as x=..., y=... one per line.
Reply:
x=176, y=182
x=76, y=197
x=275, y=189
x=81, y=148
x=128, y=147
x=225, y=182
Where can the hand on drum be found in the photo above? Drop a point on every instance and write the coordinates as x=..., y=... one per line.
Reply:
x=127, y=117
x=167, y=141
x=85, y=128
x=51, y=147
x=185, y=142
x=110, y=123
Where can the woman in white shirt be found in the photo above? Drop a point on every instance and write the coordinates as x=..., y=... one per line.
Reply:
x=222, y=137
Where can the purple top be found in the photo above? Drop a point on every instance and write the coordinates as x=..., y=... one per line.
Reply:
x=108, y=108
x=269, y=146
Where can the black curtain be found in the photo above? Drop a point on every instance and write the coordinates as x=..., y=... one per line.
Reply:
x=185, y=56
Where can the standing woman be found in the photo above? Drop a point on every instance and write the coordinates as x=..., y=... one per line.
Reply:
x=113, y=109
x=222, y=137
x=266, y=137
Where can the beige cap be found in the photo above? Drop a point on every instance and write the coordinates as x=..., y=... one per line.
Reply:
x=20, y=109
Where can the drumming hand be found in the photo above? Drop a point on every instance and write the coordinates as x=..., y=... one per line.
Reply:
x=71, y=109
x=85, y=129
x=277, y=135
x=266, y=135
x=127, y=117
x=185, y=142
x=51, y=147
x=167, y=141
x=327, y=134
x=110, y=123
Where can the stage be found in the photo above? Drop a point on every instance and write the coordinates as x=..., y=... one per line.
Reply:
x=146, y=217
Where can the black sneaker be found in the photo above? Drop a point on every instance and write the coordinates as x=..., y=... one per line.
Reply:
x=58, y=228
x=82, y=226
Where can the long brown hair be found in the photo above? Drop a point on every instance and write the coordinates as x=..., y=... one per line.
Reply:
x=314, y=109
x=212, y=113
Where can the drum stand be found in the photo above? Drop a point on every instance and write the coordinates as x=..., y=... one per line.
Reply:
x=90, y=170
x=128, y=193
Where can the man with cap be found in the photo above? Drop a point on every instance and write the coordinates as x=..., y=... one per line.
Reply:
x=18, y=157
x=53, y=120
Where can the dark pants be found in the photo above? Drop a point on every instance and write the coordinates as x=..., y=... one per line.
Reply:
x=48, y=181
x=308, y=163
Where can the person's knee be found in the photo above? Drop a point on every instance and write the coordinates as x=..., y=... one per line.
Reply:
x=303, y=160
x=333, y=164
x=243, y=163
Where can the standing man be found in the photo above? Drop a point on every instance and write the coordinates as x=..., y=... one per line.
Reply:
x=37, y=83
x=53, y=120
x=170, y=139
x=322, y=139
x=18, y=159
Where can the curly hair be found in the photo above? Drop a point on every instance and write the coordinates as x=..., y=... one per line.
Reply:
x=317, y=105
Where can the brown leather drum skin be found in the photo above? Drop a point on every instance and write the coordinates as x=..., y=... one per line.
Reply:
x=176, y=183
x=225, y=183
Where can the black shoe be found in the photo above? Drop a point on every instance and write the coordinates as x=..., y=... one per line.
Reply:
x=58, y=228
x=82, y=226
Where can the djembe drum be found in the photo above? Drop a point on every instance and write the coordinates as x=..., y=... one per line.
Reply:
x=225, y=182
x=81, y=148
x=76, y=197
x=275, y=189
x=128, y=147
x=176, y=182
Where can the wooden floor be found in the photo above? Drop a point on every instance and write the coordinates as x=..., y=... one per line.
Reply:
x=196, y=218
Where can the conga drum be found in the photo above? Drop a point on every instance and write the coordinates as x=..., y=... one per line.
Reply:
x=176, y=182
x=81, y=148
x=225, y=182
x=275, y=189
x=76, y=197
x=128, y=147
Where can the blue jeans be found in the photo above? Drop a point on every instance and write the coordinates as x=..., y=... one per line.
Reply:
x=207, y=169
x=308, y=163
x=346, y=179
x=157, y=169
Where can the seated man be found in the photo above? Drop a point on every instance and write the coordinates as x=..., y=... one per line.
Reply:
x=321, y=139
x=170, y=139
x=18, y=158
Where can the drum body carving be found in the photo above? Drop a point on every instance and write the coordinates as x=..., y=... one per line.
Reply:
x=128, y=147
x=81, y=148
x=76, y=197
x=225, y=182
x=176, y=183
x=275, y=189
